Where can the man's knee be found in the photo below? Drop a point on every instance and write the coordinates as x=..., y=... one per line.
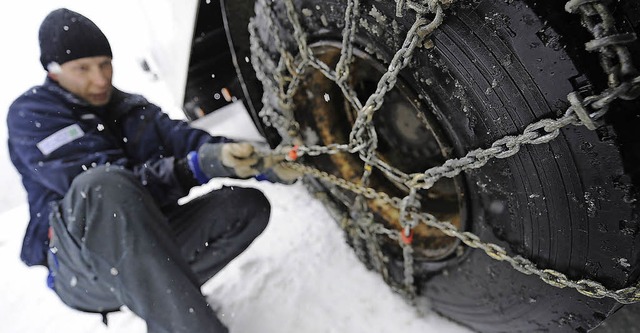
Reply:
x=108, y=206
x=106, y=181
x=104, y=193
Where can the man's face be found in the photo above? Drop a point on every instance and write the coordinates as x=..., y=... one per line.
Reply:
x=88, y=78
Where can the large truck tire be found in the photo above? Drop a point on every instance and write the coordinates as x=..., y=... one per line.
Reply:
x=491, y=69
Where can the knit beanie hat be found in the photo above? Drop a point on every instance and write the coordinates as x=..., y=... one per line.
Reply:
x=66, y=35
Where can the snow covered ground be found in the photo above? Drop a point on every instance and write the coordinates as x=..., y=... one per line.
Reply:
x=299, y=276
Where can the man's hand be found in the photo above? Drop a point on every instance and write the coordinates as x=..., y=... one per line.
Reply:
x=236, y=160
x=276, y=171
x=242, y=160
x=241, y=157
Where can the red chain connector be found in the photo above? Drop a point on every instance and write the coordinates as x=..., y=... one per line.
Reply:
x=407, y=239
x=293, y=153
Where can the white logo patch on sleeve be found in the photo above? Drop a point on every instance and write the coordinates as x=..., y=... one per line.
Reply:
x=60, y=138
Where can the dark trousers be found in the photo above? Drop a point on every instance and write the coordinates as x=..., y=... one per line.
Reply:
x=113, y=246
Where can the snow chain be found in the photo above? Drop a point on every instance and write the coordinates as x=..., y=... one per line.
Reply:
x=285, y=76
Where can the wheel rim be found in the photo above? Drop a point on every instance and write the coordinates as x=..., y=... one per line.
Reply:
x=409, y=137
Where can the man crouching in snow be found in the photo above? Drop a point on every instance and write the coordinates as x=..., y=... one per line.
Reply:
x=104, y=169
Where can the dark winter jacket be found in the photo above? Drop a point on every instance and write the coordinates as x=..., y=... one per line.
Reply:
x=54, y=136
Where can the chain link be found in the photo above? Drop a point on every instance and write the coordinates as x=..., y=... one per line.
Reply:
x=284, y=78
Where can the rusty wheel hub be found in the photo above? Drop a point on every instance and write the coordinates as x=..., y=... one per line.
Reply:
x=409, y=139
